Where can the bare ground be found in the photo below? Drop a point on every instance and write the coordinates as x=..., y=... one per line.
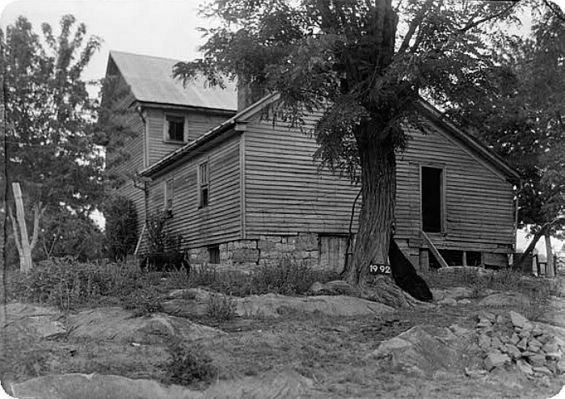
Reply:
x=331, y=351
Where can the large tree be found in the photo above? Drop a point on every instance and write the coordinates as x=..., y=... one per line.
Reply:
x=523, y=120
x=48, y=119
x=363, y=64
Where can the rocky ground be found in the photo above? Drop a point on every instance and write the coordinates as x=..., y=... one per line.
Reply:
x=470, y=343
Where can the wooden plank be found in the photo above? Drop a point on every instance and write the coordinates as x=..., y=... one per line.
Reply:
x=434, y=250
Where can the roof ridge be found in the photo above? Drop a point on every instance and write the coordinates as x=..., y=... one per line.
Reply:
x=144, y=55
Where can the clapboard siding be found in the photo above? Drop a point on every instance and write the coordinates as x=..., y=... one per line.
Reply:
x=220, y=221
x=196, y=124
x=478, y=200
x=285, y=193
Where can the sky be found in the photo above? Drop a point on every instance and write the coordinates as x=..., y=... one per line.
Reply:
x=164, y=28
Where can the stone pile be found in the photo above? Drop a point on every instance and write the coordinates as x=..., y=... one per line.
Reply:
x=511, y=340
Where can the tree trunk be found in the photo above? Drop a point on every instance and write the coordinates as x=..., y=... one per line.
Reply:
x=549, y=270
x=378, y=188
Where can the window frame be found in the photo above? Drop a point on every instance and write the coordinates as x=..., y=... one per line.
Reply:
x=213, y=252
x=166, y=136
x=443, y=196
x=168, y=194
x=203, y=185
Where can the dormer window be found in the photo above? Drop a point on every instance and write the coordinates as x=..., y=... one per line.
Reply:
x=174, y=128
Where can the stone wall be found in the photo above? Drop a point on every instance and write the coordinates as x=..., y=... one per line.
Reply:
x=267, y=250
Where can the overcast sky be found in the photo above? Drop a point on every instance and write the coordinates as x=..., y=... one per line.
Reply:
x=164, y=28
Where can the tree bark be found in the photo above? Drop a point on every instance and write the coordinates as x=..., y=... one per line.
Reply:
x=378, y=182
x=549, y=271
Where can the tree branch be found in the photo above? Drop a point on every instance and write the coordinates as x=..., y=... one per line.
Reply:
x=472, y=24
x=414, y=25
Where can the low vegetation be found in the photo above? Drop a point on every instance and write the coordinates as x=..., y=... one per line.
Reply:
x=189, y=365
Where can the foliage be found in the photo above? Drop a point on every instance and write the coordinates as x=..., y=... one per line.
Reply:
x=69, y=284
x=160, y=238
x=115, y=126
x=221, y=307
x=121, y=227
x=142, y=301
x=49, y=117
x=363, y=65
x=523, y=119
x=189, y=365
x=22, y=357
x=285, y=276
x=63, y=234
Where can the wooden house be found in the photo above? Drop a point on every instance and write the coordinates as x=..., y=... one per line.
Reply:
x=242, y=191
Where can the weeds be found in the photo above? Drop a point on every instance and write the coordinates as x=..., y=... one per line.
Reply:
x=221, y=307
x=189, y=365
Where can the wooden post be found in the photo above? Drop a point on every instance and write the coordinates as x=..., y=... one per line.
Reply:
x=434, y=250
x=25, y=255
x=464, y=258
x=424, y=259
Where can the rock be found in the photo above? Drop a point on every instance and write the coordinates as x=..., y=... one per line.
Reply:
x=561, y=366
x=505, y=299
x=316, y=288
x=484, y=323
x=495, y=343
x=33, y=320
x=486, y=316
x=536, y=331
x=454, y=292
x=448, y=302
x=514, y=339
x=524, y=334
x=274, y=305
x=463, y=301
x=120, y=325
x=475, y=373
x=550, y=347
x=542, y=370
x=536, y=360
x=94, y=386
x=484, y=342
x=553, y=356
x=524, y=367
x=517, y=319
x=335, y=287
x=534, y=345
x=523, y=344
x=495, y=359
x=513, y=351
x=278, y=384
x=460, y=331
x=424, y=349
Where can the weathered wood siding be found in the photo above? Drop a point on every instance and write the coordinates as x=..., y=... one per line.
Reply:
x=196, y=124
x=285, y=194
x=220, y=221
x=478, y=200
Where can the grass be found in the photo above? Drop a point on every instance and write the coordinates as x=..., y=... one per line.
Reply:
x=221, y=307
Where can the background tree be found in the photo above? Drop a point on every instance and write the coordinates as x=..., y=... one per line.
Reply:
x=363, y=63
x=49, y=117
x=522, y=120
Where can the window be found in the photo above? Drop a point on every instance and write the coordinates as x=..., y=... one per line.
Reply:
x=214, y=254
x=203, y=180
x=174, y=128
x=432, y=199
x=169, y=194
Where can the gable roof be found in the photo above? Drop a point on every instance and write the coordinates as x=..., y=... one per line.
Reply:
x=423, y=106
x=151, y=81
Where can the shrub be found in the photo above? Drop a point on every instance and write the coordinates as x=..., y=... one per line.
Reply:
x=142, y=301
x=121, y=227
x=221, y=307
x=189, y=365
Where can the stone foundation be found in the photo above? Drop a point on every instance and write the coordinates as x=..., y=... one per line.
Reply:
x=304, y=248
